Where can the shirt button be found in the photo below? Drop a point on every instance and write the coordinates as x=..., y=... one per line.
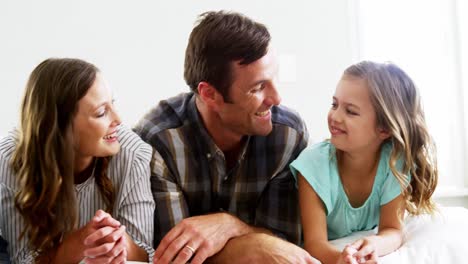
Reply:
x=208, y=155
x=226, y=178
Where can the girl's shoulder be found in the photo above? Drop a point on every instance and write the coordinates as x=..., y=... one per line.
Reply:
x=385, y=155
x=315, y=159
x=386, y=150
x=321, y=151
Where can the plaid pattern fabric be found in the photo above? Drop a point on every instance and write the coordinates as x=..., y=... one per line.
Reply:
x=189, y=176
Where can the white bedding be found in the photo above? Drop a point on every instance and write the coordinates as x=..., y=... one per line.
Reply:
x=442, y=238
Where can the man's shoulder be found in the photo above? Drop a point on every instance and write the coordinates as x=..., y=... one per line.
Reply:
x=168, y=114
x=285, y=116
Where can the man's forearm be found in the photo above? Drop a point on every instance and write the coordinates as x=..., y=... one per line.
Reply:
x=236, y=249
x=240, y=237
x=261, y=248
x=242, y=228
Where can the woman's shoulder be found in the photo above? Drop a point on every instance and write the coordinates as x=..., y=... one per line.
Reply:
x=8, y=144
x=132, y=145
x=7, y=147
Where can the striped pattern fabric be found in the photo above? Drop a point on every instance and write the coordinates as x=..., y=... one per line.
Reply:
x=189, y=176
x=129, y=172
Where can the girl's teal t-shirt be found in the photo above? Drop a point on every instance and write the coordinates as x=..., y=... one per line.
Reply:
x=317, y=164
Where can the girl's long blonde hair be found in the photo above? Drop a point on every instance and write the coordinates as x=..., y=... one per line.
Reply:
x=44, y=157
x=397, y=103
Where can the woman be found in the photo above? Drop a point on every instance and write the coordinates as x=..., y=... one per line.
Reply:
x=74, y=184
x=4, y=259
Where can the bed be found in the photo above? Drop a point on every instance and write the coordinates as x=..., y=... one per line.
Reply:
x=441, y=238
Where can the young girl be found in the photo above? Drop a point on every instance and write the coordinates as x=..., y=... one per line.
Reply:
x=69, y=159
x=379, y=161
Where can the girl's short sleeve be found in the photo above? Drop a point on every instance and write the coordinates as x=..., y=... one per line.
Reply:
x=314, y=165
x=391, y=187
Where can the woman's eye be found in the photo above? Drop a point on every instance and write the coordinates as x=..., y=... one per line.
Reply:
x=101, y=114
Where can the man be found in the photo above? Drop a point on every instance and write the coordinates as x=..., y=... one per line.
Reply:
x=221, y=178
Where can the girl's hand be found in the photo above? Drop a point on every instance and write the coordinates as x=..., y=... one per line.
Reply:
x=347, y=256
x=366, y=252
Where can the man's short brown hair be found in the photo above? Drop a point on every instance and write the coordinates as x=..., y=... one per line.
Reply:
x=217, y=40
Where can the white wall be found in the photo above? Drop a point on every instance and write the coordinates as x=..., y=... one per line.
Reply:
x=140, y=45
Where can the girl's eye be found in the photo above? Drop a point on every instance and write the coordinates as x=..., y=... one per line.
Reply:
x=334, y=105
x=351, y=112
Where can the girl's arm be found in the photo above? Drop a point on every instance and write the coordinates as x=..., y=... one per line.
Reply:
x=390, y=235
x=314, y=224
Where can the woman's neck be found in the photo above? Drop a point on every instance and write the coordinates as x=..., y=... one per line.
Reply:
x=84, y=169
x=81, y=163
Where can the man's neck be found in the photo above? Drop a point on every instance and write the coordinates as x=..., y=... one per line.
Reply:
x=224, y=138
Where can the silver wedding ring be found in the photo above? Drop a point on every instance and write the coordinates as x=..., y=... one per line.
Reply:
x=190, y=248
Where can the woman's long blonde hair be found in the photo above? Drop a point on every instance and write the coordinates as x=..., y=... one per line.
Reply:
x=397, y=103
x=44, y=157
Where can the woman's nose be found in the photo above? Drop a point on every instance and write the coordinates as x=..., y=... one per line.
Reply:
x=115, y=117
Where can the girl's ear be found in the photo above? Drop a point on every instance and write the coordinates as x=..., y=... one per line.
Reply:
x=210, y=96
x=384, y=133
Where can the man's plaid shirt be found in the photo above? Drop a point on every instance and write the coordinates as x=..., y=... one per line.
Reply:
x=189, y=175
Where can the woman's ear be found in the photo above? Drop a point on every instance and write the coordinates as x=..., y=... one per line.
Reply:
x=209, y=95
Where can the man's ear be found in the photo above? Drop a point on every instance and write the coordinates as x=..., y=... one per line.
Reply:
x=209, y=95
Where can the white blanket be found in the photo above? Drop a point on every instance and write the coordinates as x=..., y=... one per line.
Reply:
x=441, y=238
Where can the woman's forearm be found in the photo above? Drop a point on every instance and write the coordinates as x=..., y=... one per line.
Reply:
x=70, y=250
x=134, y=252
